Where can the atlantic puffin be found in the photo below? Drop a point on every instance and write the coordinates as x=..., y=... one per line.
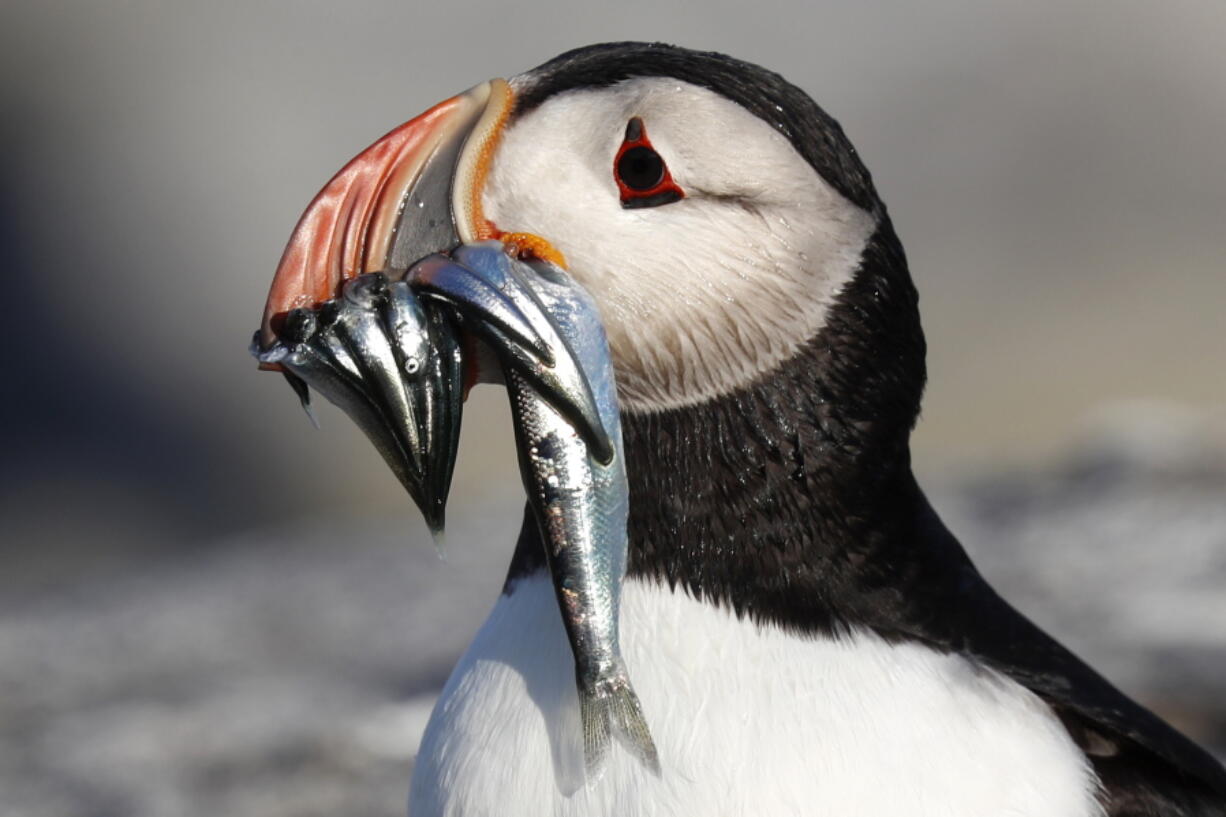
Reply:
x=806, y=636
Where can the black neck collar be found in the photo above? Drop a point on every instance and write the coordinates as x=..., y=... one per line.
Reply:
x=791, y=500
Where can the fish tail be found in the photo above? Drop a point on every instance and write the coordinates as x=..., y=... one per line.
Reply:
x=612, y=709
x=594, y=710
x=631, y=727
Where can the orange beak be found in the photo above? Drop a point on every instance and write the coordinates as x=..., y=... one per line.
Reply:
x=415, y=191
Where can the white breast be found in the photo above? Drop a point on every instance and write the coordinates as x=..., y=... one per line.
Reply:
x=748, y=720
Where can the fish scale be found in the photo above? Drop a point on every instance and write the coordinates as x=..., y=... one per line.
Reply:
x=581, y=506
x=571, y=462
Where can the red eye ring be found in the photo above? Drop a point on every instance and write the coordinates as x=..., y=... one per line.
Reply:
x=642, y=176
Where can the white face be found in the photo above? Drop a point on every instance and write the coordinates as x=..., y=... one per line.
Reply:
x=702, y=295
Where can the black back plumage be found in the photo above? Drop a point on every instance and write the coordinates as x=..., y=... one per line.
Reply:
x=792, y=500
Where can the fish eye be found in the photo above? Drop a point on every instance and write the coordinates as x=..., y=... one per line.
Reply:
x=641, y=173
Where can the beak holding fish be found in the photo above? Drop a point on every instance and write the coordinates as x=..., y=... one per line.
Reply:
x=390, y=289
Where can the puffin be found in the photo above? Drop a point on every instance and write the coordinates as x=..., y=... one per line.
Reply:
x=805, y=634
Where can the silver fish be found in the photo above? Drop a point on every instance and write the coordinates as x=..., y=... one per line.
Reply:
x=393, y=367
x=391, y=357
x=388, y=353
x=576, y=487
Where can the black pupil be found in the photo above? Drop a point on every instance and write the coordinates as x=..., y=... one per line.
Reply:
x=641, y=168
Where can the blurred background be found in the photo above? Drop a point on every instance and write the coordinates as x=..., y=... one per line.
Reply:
x=208, y=607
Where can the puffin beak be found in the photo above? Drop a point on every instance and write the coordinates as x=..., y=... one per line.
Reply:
x=367, y=303
x=339, y=317
x=414, y=192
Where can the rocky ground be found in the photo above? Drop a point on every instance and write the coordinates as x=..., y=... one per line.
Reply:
x=289, y=673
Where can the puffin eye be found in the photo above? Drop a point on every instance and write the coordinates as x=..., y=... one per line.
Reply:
x=640, y=168
x=642, y=176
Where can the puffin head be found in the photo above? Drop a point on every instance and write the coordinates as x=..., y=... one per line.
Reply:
x=763, y=324
x=746, y=272
x=705, y=203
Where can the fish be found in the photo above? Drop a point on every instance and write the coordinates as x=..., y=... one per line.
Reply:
x=574, y=475
x=394, y=366
x=390, y=352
